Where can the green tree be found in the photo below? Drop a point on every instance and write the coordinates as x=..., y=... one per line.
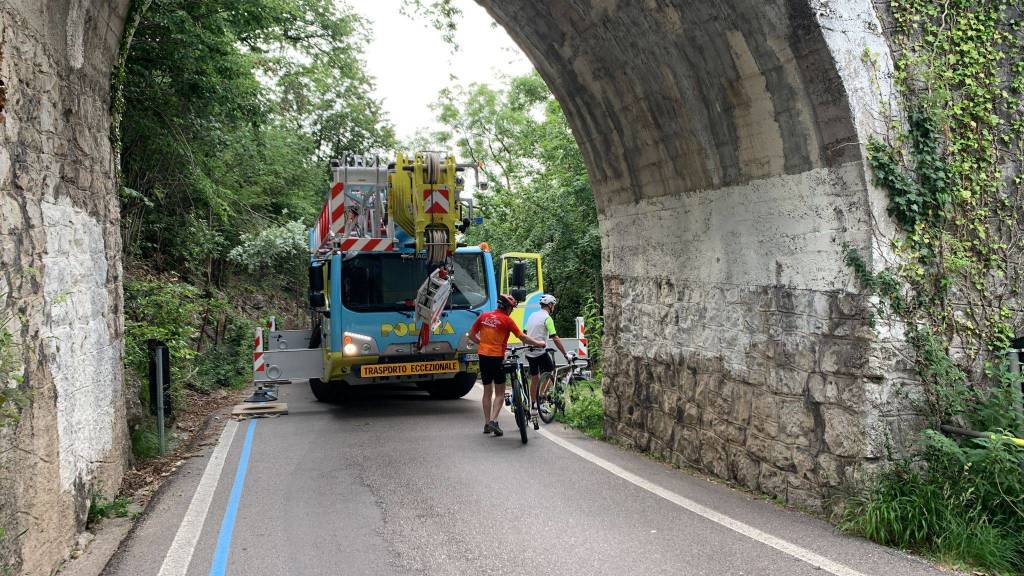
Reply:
x=540, y=197
x=231, y=110
x=226, y=112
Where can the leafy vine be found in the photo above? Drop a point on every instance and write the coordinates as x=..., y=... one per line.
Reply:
x=951, y=168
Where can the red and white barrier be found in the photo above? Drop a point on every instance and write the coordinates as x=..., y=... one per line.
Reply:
x=436, y=201
x=332, y=215
x=323, y=226
x=367, y=245
x=581, y=335
x=337, y=204
x=258, y=363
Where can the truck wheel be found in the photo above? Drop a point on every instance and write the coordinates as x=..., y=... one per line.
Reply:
x=326, y=392
x=454, y=388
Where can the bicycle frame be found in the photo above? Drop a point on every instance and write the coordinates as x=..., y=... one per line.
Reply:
x=558, y=392
x=520, y=394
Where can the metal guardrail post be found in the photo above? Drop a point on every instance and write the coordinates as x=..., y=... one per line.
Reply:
x=159, y=384
x=160, y=399
x=1018, y=398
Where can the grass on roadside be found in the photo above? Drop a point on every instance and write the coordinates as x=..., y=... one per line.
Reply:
x=962, y=504
x=585, y=410
x=145, y=441
x=100, y=508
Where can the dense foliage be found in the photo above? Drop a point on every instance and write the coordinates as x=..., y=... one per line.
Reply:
x=231, y=110
x=539, y=198
x=226, y=113
x=952, y=168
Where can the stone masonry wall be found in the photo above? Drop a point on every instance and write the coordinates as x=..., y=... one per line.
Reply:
x=60, y=270
x=779, y=392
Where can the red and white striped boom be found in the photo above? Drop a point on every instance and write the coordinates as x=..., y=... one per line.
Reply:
x=354, y=215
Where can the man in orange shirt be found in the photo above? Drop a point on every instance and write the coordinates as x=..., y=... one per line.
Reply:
x=491, y=332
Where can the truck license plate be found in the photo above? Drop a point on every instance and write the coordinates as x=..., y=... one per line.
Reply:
x=409, y=368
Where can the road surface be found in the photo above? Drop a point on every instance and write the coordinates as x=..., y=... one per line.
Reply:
x=402, y=484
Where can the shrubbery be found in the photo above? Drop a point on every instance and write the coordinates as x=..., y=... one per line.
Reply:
x=958, y=502
x=208, y=340
x=585, y=410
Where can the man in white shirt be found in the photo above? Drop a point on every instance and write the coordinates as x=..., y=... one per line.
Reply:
x=541, y=326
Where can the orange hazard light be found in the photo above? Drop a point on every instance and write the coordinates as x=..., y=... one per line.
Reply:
x=485, y=246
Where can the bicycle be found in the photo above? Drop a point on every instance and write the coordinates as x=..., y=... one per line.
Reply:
x=555, y=399
x=519, y=401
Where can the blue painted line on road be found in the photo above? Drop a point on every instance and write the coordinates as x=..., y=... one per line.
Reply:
x=227, y=525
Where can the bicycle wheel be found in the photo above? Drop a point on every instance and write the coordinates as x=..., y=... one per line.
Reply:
x=549, y=402
x=518, y=406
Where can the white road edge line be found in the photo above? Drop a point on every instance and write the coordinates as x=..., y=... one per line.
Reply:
x=779, y=544
x=179, y=556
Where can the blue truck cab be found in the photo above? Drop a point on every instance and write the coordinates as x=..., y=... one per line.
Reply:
x=368, y=332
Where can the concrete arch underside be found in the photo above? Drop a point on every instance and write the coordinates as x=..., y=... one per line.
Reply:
x=725, y=146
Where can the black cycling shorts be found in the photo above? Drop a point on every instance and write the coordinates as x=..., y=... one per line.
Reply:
x=540, y=364
x=492, y=370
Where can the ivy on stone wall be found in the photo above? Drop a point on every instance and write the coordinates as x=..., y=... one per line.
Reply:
x=952, y=169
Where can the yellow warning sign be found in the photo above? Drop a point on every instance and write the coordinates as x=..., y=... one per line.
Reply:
x=409, y=368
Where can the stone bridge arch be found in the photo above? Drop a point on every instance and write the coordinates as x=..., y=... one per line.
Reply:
x=725, y=146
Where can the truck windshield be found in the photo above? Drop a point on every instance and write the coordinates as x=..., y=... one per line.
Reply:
x=383, y=282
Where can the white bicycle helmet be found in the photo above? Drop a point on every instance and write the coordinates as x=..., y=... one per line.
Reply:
x=547, y=300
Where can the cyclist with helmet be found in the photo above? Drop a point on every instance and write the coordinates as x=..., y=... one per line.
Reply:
x=541, y=326
x=490, y=332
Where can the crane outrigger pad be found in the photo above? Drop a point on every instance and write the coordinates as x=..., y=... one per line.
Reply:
x=244, y=411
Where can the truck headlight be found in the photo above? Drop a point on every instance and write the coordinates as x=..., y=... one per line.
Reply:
x=358, y=345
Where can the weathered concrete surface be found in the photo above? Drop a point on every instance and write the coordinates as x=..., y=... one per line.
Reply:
x=60, y=268
x=725, y=146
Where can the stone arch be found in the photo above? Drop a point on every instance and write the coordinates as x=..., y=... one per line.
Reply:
x=725, y=146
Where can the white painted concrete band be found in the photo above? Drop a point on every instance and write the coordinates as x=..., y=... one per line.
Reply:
x=779, y=544
x=179, y=556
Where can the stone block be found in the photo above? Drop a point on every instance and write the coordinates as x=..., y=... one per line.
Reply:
x=844, y=357
x=712, y=455
x=830, y=470
x=764, y=427
x=730, y=432
x=806, y=499
x=797, y=351
x=689, y=414
x=805, y=466
x=786, y=381
x=687, y=444
x=742, y=399
x=742, y=468
x=796, y=423
x=772, y=481
x=660, y=425
x=770, y=451
x=844, y=431
x=765, y=405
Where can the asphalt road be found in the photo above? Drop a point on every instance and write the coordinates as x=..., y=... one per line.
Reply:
x=398, y=483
